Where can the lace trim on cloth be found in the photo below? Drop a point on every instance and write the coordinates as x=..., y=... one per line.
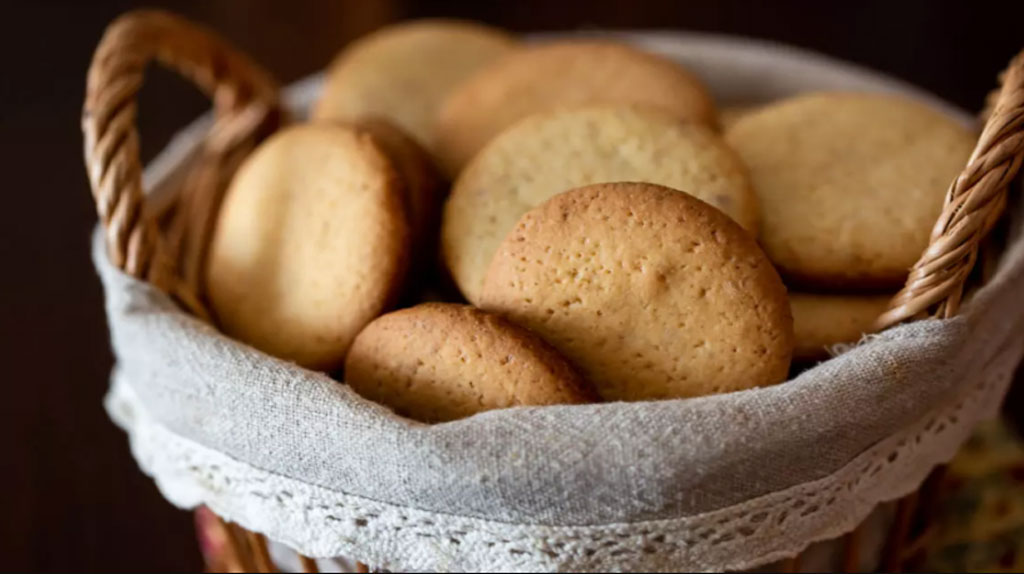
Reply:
x=323, y=523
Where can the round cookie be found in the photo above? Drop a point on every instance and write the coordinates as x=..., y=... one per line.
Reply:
x=650, y=292
x=438, y=362
x=850, y=184
x=729, y=115
x=821, y=321
x=310, y=244
x=546, y=154
x=421, y=182
x=403, y=72
x=556, y=75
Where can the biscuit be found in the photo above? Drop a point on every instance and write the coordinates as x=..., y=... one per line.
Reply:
x=821, y=321
x=556, y=75
x=403, y=72
x=850, y=184
x=438, y=362
x=651, y=293
x=548, y=153
x=310, y=245
x=729, y=115
x=421, y=182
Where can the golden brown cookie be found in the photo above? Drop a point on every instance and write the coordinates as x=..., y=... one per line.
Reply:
x=546, y=154
x=311, y=244
x=421, y=182
x=729, y=115
x=850, y=184
x=566, y=74
x=438, y=362
x=402, y=72
x=822, y=321
x=650, y=292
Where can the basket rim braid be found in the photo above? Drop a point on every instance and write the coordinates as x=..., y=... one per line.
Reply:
x=400, y=494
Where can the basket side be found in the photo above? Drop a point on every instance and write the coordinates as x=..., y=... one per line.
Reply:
x=246, y=108
x=974, y=202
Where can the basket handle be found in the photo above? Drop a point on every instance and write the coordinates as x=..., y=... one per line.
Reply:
x=975, y=201
x=245, y=100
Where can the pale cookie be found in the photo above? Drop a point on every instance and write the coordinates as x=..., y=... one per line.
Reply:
x=850, y=184
x=822, y=321
x=438, y=362
x=556, y=75
x=549, y=153
x=403, y=72
x=651, y=293
x=311, y=244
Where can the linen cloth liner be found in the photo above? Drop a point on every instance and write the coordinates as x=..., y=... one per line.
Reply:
x=727, y=481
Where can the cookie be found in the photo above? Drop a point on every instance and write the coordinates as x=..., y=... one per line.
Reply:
x=438, y=362
x=546, y=154
x=850, y=184
x=822, y=321
x=567, y=74
x=311, y=244
x=421, y=182
x=729, y=115
x=402, y=73
x=650, y=292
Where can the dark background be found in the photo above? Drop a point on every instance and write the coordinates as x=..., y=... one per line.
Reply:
x=72, y=498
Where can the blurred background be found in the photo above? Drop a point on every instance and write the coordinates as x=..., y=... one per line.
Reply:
x=73, y=498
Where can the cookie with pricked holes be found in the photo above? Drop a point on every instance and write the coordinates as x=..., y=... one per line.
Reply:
x=424, y=191
x=650, y=292
x=850, y=184
x=558, y=75
x=546, y=154
x=403, y=72
x=438, y=362
x=310, y=245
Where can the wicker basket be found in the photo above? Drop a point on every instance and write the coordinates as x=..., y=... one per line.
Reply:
x=161, y=240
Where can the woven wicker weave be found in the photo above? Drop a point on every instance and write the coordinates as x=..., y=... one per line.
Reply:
x=247, y=109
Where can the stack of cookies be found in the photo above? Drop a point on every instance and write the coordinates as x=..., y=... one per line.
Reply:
x=581, y=223
x=850, y=186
